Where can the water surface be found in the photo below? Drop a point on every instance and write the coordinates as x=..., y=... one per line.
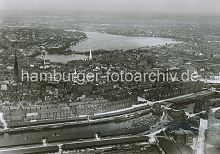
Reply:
x=97, y=40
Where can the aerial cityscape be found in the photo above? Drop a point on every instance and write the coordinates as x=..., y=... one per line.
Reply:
x=109, y=78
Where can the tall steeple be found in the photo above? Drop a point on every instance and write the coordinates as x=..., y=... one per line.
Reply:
x=90, y=54
x=16, y=75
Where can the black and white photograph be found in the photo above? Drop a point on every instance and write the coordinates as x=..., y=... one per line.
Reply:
x=109, y=76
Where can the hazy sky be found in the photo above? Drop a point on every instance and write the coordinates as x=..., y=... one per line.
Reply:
x=170, y=6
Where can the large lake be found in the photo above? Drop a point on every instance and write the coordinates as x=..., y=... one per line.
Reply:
x=97, y=40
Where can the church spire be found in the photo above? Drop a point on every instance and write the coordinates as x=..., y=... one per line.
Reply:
x=16, y=75
x=90, y=54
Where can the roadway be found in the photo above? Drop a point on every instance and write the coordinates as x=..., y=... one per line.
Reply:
x=84, y=144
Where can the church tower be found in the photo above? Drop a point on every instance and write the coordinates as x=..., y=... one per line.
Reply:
x=16, y=75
